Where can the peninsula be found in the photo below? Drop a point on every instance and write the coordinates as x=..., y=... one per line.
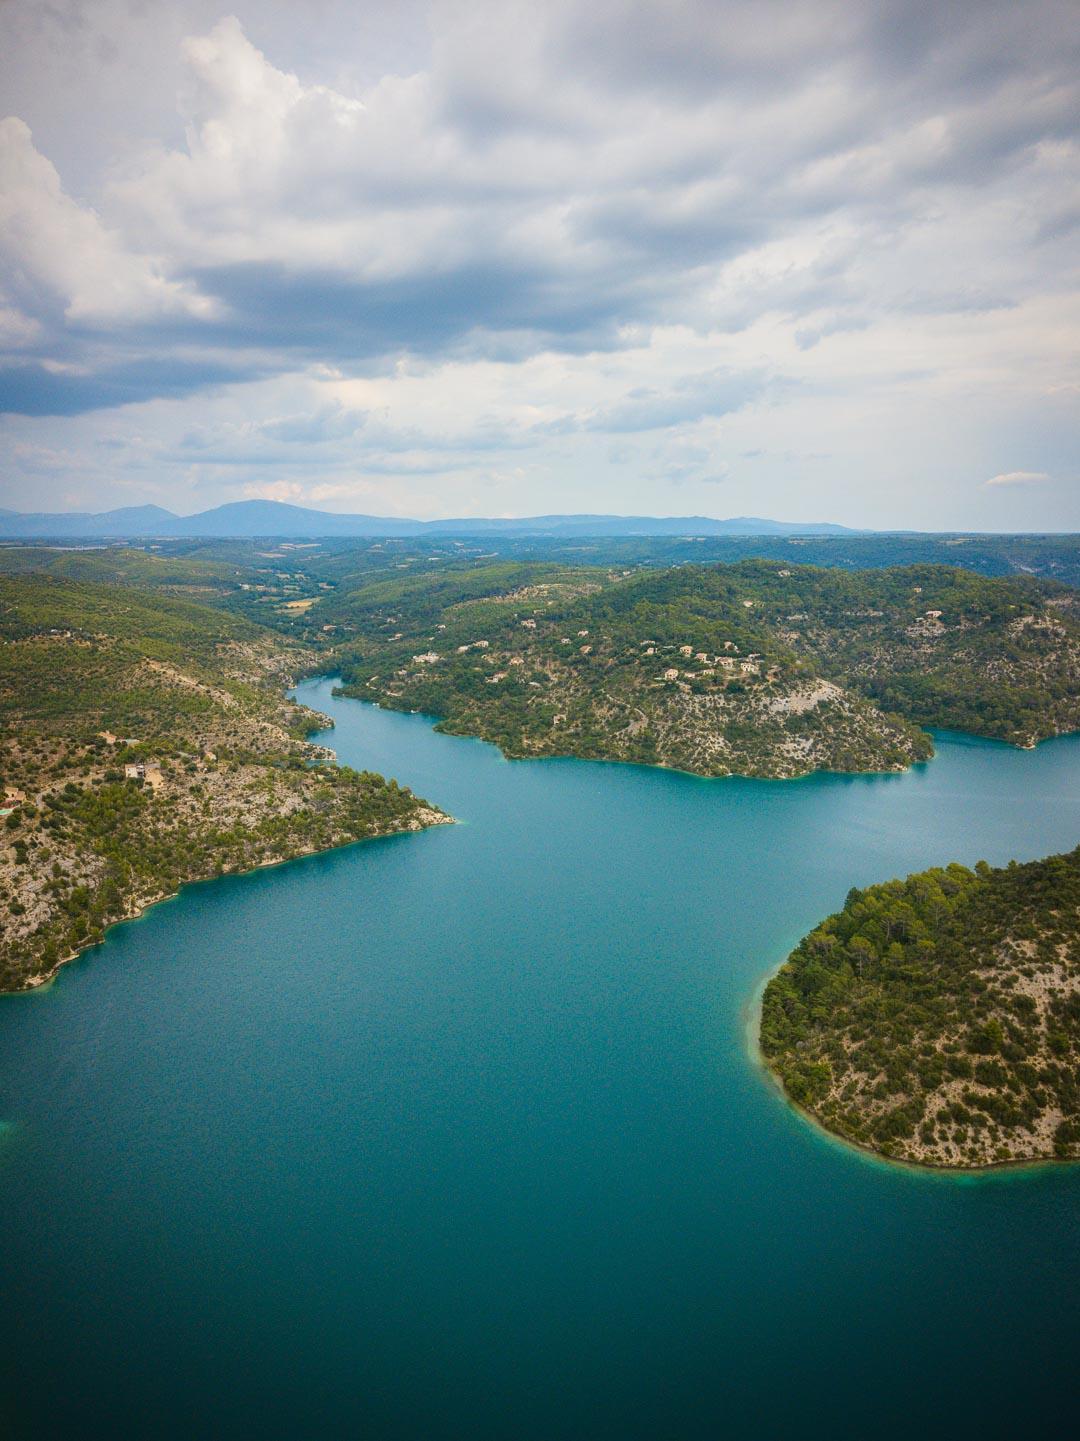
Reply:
x=937, y=1019
x=756, y=668
x=147, y=741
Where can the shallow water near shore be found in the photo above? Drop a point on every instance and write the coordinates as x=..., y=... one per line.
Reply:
x=459, y=1134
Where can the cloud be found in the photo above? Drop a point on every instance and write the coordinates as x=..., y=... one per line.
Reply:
x=576, y=221
x=1018, y=477
x=286, y=490
x=689, y=399
x=552, y=177
x=686, y=400
x=327, y=423
x=49, y=389
x=58, y=256
x=807, y=336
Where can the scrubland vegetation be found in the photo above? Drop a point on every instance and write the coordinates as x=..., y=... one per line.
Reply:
x=146, y=741
x=752, y=669
x=937, y=1019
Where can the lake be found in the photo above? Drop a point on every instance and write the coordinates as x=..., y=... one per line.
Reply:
x=461, y=1134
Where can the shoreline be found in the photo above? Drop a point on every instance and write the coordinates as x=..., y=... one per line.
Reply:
x=1017, y=1165
x=933, y=731
x=42, y=981
x=425, y=816
x=437, y=721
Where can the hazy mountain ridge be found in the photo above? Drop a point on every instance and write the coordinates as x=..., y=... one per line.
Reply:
x=247, y=518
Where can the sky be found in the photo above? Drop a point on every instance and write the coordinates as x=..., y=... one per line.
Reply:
x=813, y=261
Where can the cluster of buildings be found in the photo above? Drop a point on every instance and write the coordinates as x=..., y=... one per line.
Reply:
x=709, y=664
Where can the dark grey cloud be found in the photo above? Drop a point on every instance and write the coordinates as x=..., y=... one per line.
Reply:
x=323, y=313
x=36, y=390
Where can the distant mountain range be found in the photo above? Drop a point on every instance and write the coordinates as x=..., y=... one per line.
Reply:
x=252, y=518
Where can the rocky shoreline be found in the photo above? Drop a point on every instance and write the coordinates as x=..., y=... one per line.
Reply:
x=426, y=817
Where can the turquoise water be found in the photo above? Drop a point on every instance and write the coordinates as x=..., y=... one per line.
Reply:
x=459, y=1135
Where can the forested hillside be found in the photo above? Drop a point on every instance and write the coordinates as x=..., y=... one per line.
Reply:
x=754, y=669
x=937, y=1019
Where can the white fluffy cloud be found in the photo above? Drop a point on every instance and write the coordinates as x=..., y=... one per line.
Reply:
x=57, y=252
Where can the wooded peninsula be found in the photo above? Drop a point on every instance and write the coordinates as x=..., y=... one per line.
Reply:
x=755, y=669
x=937, y=1019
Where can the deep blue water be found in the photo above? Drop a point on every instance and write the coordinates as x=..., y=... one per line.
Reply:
x=459, y=1134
